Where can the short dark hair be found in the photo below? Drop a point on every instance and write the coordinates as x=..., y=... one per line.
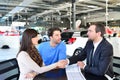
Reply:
x=51, y=30
x=100, y=28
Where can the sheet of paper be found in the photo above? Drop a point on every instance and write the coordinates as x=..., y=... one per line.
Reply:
x=74, y=73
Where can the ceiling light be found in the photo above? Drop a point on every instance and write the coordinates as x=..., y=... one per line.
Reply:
x=112, y=18
x=61, y=21
x=91, y=6
x=118, y=4
x=82, y=0
x=84, y=17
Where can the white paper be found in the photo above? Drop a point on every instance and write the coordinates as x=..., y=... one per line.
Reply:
x=74, y=73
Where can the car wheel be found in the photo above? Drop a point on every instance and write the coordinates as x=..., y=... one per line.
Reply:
x=77, y=51
x=44, y=39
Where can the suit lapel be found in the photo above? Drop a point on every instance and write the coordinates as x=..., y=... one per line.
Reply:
x=98, y=49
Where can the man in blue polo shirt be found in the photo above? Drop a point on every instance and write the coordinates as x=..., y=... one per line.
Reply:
x=53, y=50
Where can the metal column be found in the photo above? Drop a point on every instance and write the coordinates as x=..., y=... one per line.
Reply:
x=73, y=14
x=106, y=15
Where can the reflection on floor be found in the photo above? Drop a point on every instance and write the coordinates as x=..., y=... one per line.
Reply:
x=13, y=43
x=8, y=53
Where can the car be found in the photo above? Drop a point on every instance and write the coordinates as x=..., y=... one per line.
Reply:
x=74, y=40
x=40, y=38
x=45, y=38
x=11, y=34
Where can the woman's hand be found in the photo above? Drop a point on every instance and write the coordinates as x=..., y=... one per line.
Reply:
x=31, y=75
x=62, y=63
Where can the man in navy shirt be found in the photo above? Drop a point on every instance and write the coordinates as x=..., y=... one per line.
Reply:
x=53, y=50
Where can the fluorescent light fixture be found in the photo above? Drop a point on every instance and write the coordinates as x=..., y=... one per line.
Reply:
x=112, y=18
x=51, y=0
x=82, y=0
x=18, y=23
x=91, y=6
x=118, y=4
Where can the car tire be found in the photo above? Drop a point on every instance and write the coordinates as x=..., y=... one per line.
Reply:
x=77, y=51
x=44, y=39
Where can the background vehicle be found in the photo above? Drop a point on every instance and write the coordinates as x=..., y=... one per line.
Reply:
x=45, y=38
x=40, y=38
x=73, y=40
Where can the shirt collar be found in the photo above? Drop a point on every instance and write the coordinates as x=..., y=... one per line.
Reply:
x=97, y=43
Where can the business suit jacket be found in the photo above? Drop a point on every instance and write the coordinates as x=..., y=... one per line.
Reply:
x=102, y=61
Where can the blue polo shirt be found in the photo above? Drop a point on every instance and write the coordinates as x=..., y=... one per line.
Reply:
x=51, y=54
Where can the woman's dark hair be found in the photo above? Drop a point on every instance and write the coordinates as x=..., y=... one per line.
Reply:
x=27, y=45
x=51, y=30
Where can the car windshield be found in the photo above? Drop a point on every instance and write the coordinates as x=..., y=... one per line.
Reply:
x=66, y=35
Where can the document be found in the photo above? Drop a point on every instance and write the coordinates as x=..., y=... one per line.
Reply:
x=73, y=72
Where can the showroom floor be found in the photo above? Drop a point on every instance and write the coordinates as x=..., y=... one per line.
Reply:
x=8, y=53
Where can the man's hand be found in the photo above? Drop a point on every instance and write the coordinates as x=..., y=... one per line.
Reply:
x=62, y=63
x=81, y=64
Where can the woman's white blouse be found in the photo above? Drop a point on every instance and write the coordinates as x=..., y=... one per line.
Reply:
x=26, y=65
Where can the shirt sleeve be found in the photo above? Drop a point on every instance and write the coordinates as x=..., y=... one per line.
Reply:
x=29, y=63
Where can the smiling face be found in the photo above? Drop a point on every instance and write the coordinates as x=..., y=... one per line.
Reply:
x=35, y=40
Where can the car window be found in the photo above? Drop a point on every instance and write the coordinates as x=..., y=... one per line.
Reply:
x=83, y=34
x=65, y=36
x=76, y=34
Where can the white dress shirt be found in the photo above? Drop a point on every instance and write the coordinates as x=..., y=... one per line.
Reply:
x=96, y=45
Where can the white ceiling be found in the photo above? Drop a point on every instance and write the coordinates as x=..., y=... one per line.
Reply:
x=31, y=9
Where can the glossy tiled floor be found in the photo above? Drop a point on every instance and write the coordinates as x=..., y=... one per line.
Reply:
x=13, y=43
x=8, y=53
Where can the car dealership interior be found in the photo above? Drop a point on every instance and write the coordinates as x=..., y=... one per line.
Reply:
x=73, y=17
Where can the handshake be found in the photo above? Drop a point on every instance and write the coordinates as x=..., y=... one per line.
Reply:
x=59, y=64
x=62, y=63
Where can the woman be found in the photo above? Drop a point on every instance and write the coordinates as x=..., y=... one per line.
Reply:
x=28, y=58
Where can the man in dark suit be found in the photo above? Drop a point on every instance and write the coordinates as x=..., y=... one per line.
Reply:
x=98, y=53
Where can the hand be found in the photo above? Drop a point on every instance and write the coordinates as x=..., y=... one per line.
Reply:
x=31, y=75
x=62, y=63
x=81, y=64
